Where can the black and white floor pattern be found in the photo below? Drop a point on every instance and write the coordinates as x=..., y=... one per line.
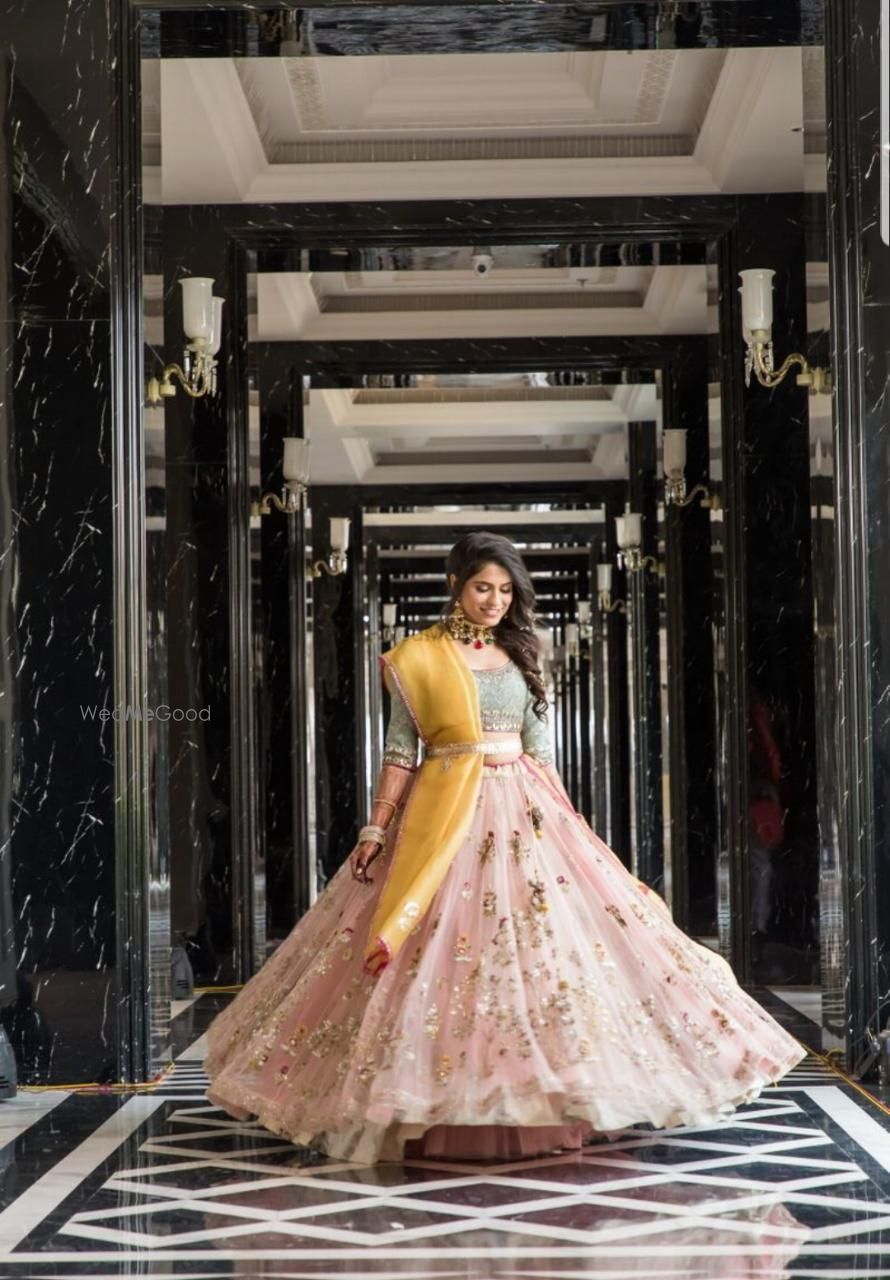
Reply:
x=795, y=1185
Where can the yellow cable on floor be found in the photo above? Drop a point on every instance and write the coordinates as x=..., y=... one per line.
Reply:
x=116, y=1087
x=826, y=1060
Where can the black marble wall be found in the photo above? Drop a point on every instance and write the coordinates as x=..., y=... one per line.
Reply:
x=282, y=623
x=338, y=634
x=689, y=619
x=67, y=858
x=856, y=834
x=644, y=721
x=768, y=868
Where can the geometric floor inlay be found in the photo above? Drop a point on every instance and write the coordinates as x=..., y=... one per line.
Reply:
x=797, y=1184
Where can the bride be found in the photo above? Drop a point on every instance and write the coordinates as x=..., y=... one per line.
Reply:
x=483, y=977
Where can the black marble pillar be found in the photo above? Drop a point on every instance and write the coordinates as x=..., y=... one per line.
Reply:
x=599, y=700
x=645, y=680
x=215, y=844
x=283, y=635
x=75, y=971
x=855, y=839
x=769, y=875
x=337, y=640
x=691, y=746
x=586, y=700
x=615, y=681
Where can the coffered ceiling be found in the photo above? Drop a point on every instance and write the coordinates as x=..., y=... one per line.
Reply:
x=476, y=125
x=454, y=302
x=475, y=428
x=352, y=124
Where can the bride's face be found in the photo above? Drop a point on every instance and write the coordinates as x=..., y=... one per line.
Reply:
x=486, y=596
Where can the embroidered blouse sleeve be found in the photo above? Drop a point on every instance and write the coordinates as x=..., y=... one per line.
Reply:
x=536, y=734
x=400, y=745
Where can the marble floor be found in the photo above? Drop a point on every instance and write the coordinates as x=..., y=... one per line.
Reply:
x=161, y=1184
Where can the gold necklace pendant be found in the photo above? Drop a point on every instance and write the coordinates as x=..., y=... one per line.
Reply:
x=461, y=628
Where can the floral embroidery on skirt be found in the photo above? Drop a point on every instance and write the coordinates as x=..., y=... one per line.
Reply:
x=544, y=988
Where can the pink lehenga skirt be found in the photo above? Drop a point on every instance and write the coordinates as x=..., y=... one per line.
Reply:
x=544, y=997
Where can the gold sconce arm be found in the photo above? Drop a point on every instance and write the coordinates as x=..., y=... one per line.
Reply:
x=708, y=500
x=159, y=389
x=608, y=605
x=288, y=504
x=632, y=560
x=759, y=360
x=333, y=566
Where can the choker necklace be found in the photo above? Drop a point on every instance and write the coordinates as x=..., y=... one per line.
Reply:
x=458, y=625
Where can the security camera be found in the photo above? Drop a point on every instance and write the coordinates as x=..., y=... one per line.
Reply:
x=482, y=263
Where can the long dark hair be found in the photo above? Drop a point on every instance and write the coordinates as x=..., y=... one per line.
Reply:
x=515, y=632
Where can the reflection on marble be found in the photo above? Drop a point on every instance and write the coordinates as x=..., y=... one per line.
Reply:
x=796, y=1183
x=338, y=30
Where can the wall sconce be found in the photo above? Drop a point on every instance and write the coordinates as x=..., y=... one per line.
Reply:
x=604, y=591
x=202, y=325
x=390, y=614
x=337, y=560
x=295, y=469
x=629, y=532
x=572, y=638
x=585, y=625
x=674, y=451
x=757, y=326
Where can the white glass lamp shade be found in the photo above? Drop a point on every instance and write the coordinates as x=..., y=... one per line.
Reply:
x=757, y=299
x=629, y=530
x=390, y=613
x=215, y=340
x=674, y=446
x=583, y=608
x=604, y=577
x=339, y=533
x=571, y=635
x=295, y=464
x=197, y=307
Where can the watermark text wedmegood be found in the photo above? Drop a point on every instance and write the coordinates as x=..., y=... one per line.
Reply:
x=162, y=712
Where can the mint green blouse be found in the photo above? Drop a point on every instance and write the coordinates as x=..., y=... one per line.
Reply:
x=506, y=704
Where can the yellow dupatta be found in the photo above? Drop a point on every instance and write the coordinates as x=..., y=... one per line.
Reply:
x=441, y=695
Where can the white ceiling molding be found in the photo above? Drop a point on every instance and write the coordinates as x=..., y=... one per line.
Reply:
x=288, y=309
x=503, y=472
x=418, y=94
x=453, y=273
x=470, y=518
x=638, y=402
x=654, y=87
x=748, y=141
x=677, y=300
x=365, y=443
x=218, y=130
x=488, y=419
x=211, y=151
x=815, y=172
x=480, y=179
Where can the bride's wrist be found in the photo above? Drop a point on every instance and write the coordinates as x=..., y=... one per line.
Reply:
x=372, y=834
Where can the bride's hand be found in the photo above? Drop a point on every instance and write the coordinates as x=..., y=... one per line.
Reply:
x=362, y=856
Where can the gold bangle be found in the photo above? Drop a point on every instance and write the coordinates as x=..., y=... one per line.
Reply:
x=383, y=800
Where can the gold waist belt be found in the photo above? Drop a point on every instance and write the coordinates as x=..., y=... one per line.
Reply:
x=502, y=747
